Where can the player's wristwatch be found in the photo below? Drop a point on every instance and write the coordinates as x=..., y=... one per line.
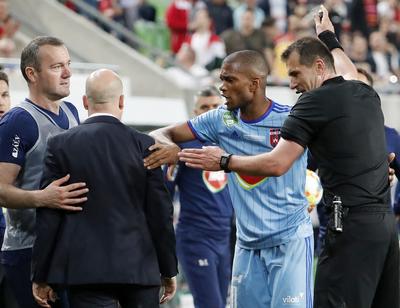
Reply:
x=224, y=161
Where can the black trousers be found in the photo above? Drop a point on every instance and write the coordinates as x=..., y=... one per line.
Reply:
x=113, y=295
x=359, y=268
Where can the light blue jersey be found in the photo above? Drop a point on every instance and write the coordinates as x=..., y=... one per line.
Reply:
x=270, y=211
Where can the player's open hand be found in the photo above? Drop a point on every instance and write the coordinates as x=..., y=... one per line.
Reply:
x=43, y=293
x=324, y=23
x=57, y=196
x=207, y=158
x=169, y=289
x=161, y=154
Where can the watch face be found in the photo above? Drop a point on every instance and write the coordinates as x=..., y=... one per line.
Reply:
x=224, y=161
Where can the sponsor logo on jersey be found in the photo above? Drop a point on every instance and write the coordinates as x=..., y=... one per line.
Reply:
x=293, y=300
x=215, y=180
x=203, y=262
x=274, y=135
x=250, y=181
x=15, y=146
x=229, y=119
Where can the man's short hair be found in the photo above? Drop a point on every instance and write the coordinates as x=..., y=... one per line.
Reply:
x=30, y=54
x=252, y=59
x=4, y=77
x=309, y=48
x=208, y=91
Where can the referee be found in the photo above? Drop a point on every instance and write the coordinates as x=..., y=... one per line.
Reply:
x=342, y=124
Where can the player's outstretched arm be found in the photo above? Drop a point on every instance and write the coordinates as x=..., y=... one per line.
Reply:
x=165, y=150
x=343, y=65
x=54, y=196
x=274, y=163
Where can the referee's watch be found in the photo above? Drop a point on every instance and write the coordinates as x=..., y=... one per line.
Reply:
x=224, y=161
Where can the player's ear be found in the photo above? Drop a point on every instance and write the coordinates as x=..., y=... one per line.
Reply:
x=255, y=84
x=30, y=73
x=85, y=102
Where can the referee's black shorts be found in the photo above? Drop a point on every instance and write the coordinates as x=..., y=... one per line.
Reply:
x=359, y=268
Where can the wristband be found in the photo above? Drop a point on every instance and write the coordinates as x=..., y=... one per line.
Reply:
x=330, y=40
x=224, y=162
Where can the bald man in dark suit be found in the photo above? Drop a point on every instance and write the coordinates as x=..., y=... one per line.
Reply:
x=121, y=247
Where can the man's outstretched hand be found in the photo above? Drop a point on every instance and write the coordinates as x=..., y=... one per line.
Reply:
x=66, y=197
x=161, y=154
x=207, y=158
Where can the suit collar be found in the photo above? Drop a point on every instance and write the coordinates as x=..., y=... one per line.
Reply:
x=102, y=119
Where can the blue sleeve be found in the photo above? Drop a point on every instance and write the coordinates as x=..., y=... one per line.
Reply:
x=393, y=141
x=18, y=134
x=205, y=126
x=74, y=111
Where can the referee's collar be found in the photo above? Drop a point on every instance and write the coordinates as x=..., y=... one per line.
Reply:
x=337, y=79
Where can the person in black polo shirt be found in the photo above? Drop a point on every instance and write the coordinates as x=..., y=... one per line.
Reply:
x=342, y=124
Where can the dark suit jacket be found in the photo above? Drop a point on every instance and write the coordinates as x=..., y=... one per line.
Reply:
x=124, y=233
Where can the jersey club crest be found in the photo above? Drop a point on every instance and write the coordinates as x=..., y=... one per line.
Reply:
x=274, y=135
x=215, y=180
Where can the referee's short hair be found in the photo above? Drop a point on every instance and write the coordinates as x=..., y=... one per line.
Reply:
x=30, y=54
x=310, y=48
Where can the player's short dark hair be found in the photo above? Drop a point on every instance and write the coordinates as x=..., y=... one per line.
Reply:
x=309, y=48
x=208, y=91
x=367, y=75
x=30, y=54
x=4, y=77
x=250, y=58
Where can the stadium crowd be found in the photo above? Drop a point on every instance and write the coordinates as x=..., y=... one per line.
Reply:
x=368, y=30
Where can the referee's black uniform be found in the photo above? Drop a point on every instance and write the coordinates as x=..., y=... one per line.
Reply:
x=341, y=123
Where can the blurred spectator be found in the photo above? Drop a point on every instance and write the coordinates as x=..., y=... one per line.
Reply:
x=359, y=53
x=248, y=38
x=188, y=74
x=209, y=48
x=295, y=31
x=363, y=16
x=385, y=58
x=278, y=10
x=271, y=32
x=111, y=9
x=177, y=20
x=129, y=12
x=146, y=11
x=248, y=4
x=8, y=27
x=221, y=15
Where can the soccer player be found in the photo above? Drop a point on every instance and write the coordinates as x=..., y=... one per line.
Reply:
x=272, y=265
x=205, y=218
